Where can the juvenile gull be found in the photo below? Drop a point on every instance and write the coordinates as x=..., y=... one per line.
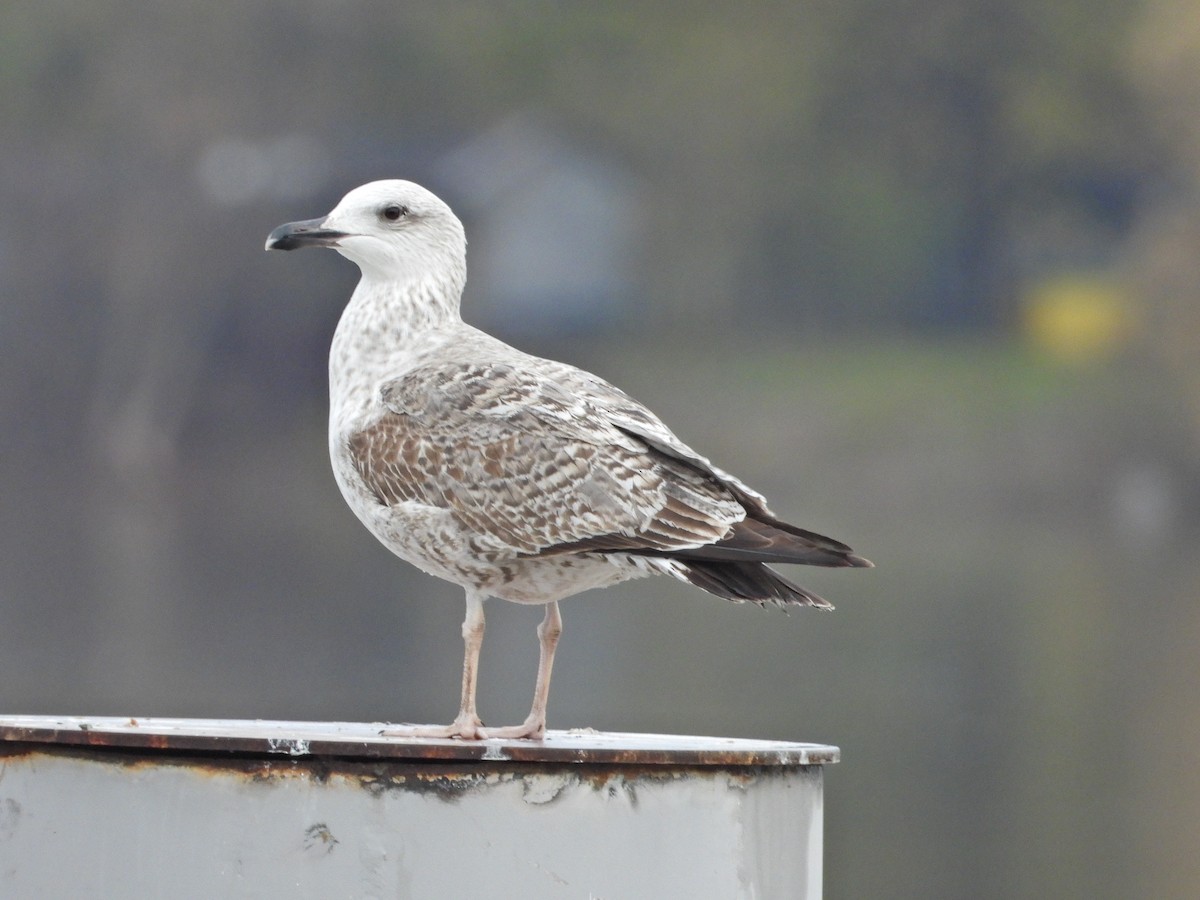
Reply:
x=509, y=475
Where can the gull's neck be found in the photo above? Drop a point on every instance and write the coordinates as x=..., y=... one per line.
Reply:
x=386, y=326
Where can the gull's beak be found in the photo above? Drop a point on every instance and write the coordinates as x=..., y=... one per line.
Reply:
x=310, y=233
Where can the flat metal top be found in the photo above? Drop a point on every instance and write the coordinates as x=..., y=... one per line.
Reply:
x=371, y=740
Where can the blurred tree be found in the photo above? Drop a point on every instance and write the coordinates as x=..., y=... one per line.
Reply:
x=1162, y=259
x=1163, y=266
x=864, y=162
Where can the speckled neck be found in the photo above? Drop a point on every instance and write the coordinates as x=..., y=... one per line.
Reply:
x=385, y=326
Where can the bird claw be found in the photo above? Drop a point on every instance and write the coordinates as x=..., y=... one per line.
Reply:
x=471, y=728
x=531, y=729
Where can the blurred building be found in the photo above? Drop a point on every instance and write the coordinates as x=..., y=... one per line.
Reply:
x=553, y=231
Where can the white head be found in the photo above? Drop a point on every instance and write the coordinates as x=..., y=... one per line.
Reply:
x=393, y=230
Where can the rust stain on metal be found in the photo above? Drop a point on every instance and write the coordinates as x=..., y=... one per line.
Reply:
x=593, y=757
x=542, y=783
x=447, y=785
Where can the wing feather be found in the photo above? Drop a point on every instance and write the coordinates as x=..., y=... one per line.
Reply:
x=558, y=461
x=527, y=465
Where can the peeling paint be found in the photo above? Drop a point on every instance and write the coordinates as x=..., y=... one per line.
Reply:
x=290, y=746
x=546, y=789
x=494, y=751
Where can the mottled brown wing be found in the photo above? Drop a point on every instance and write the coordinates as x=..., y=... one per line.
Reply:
x=526, y=466
x=760, y=537
x=633, y=418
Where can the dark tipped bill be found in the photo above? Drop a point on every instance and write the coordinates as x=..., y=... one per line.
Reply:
x=310, y=233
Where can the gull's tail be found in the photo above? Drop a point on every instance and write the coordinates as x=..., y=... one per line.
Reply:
x=735, y=567
x=764, y=540
x=741, y=581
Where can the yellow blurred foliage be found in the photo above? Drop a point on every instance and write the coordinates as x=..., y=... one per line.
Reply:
x=1078, y=318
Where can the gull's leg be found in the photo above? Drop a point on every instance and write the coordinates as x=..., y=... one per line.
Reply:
x=467, y=723
x=548, y=633
x=534, y=725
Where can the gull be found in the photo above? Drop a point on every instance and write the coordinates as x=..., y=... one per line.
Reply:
x=509, y=475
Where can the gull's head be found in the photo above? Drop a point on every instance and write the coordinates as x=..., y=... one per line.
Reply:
x=391, y=229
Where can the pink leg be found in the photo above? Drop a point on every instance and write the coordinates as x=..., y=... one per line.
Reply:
x=466, y=724
x=534, y=725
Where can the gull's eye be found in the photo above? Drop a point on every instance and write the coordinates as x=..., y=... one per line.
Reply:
x=394, y=212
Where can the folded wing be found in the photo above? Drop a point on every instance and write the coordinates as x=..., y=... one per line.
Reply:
x=535, y=467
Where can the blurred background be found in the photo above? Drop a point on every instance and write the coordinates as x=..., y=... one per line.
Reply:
x=926, y=273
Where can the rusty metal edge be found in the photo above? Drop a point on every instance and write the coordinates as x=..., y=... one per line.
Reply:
x=310, y=739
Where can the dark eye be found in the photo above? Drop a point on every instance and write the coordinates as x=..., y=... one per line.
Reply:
x=394, y=211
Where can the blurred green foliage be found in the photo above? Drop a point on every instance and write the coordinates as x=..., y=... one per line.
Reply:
x=881, y=164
